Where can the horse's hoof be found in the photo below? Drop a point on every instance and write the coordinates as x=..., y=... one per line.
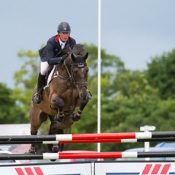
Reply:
x=76, y=117
x=32, y=150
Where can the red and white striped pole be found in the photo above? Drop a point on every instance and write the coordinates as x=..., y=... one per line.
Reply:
x=125, y=135
x=93, y=136
x=87, y=155
x=99, y=155
x=132, y=135
x=92, y=141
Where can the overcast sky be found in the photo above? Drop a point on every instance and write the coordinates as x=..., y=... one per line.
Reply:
x=134, y=30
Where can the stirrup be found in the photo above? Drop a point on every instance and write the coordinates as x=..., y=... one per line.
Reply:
x=36, y=98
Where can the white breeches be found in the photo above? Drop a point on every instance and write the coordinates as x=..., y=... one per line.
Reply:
x=44, y=67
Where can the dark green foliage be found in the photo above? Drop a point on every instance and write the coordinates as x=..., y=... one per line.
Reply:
x=9, y=110
x=161, y=74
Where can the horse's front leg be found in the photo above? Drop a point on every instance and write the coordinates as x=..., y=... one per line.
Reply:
x=57, y=103
x=55, y=130
x=83, y=102
x=32, y=149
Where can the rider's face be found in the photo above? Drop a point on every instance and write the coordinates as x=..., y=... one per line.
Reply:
x=64, y=36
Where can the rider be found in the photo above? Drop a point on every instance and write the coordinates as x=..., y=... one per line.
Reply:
x=53, y=53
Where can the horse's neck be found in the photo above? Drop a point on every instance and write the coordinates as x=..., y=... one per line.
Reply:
x=63, y=71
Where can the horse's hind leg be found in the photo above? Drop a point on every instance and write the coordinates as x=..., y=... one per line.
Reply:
x=55, y=130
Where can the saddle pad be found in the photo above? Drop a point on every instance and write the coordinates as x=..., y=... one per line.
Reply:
x=51, y=75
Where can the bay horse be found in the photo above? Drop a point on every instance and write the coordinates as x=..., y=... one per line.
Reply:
x=65, y=97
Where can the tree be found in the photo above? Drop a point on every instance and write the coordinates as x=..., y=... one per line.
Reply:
x=110, y=63
x=9, y=110
x=134, y=103
x=25, y=80
x=161, y=74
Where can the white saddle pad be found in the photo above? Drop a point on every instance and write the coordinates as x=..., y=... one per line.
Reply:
x=50, y=75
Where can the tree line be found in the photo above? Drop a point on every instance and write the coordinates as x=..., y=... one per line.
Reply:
x=130, y=99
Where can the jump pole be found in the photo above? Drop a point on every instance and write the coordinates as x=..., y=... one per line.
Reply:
x=86, y=155
x=75, y=137
x=110, y=141
x=91, y=141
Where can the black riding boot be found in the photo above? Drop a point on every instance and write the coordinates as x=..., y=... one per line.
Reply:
x=37, y=97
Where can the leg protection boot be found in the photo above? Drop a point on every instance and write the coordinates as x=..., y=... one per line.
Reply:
x=89, y=95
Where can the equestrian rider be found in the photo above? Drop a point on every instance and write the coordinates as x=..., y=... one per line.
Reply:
x=53, y=53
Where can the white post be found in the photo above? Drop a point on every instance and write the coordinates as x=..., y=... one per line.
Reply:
x=147, y=128
x=99, y=75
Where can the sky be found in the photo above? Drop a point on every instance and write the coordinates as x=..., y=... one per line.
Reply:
x=134, y=30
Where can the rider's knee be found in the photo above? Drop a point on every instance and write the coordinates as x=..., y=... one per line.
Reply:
x=44, y=67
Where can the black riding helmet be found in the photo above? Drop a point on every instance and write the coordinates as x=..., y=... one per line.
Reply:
x=64, y=27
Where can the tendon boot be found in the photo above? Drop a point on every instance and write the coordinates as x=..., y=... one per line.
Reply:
x=37, y=97
x=89, y=95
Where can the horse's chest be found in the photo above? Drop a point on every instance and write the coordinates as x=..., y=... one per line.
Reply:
x=70, y=96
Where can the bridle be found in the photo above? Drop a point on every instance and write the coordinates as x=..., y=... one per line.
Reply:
x=70, y=75
x=78, y=84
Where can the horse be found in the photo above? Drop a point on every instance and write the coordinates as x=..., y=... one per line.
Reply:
x=64, y=98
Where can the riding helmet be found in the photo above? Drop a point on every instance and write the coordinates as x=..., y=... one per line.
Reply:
x=64, y=27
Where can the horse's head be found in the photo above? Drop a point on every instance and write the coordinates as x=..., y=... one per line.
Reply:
x=79, y=69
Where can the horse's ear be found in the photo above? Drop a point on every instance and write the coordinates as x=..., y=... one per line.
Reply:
x=86, y=56
x=73, y=57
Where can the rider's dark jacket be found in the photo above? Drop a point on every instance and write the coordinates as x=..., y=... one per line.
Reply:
x=53, y=49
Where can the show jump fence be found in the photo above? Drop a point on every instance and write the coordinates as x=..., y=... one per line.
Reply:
x=89, y=138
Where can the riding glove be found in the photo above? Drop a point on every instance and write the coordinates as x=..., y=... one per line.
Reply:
x=57, y=60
